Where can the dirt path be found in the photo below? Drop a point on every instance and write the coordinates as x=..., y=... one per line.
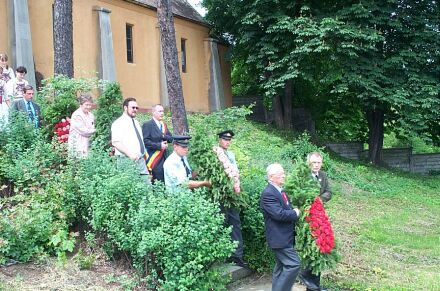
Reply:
x=258, y=282
x=50, y=276
x=104, y=276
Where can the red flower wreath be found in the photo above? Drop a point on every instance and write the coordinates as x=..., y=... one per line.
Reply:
x=321, y=227
x=62, y=129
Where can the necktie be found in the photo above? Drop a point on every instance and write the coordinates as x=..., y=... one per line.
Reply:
x=161, y=127
x=316, y=176
x=141, y=142
x=284, y=195
x=30, y=112
x=187, y=170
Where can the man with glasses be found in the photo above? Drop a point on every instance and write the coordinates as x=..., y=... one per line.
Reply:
x=28, y=106
x=127, y=136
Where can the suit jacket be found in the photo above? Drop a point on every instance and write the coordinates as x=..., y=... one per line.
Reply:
x=153, y=138
x=279, y=219
x=20, y=105
x=325, y=192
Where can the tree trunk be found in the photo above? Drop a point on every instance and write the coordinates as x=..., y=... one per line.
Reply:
x=287, y=101
x=171, y=62
x=278, y=114
x=63, y=38
x=375, y=118
x=282, y=107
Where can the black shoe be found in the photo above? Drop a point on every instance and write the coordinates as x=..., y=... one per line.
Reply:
x=239, y=262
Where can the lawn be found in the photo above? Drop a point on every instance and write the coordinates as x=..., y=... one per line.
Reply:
x=388, y=225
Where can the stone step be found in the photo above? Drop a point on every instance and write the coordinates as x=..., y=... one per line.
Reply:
x=236, y=272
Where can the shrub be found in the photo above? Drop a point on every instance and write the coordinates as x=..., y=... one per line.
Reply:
x=109, y=108
x=179, y=235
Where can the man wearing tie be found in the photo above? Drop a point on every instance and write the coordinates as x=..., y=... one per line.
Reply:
x=156, y=137
x=126, y=136
x=28, y=106
x=314, y=159
x=279, y=221
x=177, y=171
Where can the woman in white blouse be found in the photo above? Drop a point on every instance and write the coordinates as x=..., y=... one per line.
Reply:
x=82, y=127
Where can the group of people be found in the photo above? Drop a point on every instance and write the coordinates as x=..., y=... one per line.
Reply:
x=16, y=94
x=147, y=147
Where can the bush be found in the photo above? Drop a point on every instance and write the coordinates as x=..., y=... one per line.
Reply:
x=109, y=109
x=179, y=235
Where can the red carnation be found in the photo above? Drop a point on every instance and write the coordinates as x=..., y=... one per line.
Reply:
x=320, y=226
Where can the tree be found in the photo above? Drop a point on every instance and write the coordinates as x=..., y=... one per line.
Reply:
x=398, y=83
x=382, y=54
x=63, y=37
x=172, y=72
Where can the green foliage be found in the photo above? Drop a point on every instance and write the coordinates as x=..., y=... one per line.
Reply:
x=27, y=159
x=109, y=108
x=31, y=227
x=85, y=261
x=183, y=235
x=210, y=168
x=302, y=191
x=177, y=235
x=257, y=253
x=36, y=220
x=301, y=188
x=58, y=98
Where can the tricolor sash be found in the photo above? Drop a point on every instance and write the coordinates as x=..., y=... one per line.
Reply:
x=152, y=157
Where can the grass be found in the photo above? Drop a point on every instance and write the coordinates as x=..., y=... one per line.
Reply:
x=388, y=225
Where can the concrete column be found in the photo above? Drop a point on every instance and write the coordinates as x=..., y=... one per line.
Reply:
x=164, y=99
x=106, y=59
x=21, y=44
x=216, y=92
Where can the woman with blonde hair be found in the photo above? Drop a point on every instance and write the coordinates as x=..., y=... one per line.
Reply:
x=82, y=127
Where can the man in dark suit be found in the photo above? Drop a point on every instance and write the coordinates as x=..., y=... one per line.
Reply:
x=28, y=106
x=279, y=220
x=314, y=159
x=156, y=137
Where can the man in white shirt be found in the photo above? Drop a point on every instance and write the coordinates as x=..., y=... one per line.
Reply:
x=177, y=171
x=127, y=135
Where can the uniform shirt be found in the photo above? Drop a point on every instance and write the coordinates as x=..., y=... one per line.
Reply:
x=174, y=171
x=123, y=131
x=231, y=158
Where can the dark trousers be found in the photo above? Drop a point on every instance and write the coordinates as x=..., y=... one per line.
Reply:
x=286, y=269
x=312, y=281
x=232, y=218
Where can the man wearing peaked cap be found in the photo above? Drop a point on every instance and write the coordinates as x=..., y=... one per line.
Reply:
x=177, y=171
x=226, y=134
x=232, y=215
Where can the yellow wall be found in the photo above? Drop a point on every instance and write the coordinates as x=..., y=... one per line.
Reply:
x=140, y=79
x=4, y=31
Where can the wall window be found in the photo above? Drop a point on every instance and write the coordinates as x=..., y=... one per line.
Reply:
x=183, y=51
x=129, y=40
